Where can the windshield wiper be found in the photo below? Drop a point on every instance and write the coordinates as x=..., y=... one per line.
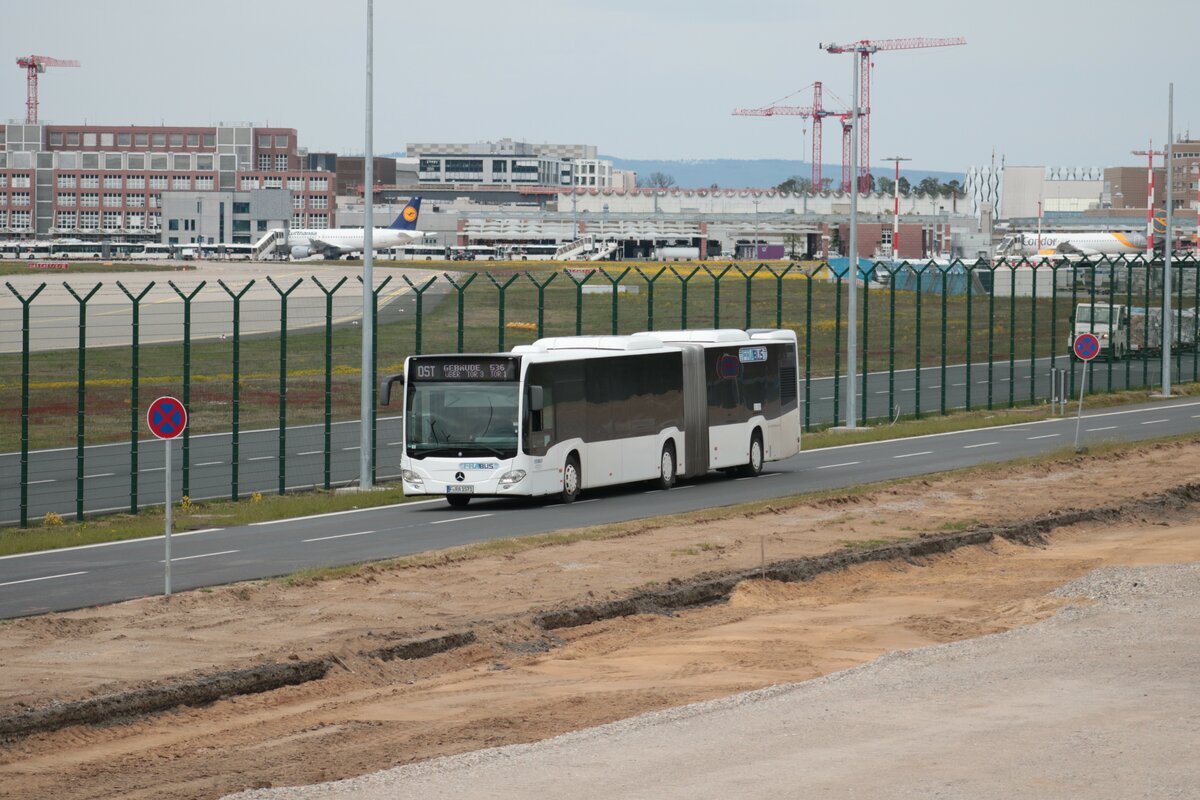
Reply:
x=463, y=447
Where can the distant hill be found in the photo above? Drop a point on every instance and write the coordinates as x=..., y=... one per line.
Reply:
x=738, y=173
x=734, y=173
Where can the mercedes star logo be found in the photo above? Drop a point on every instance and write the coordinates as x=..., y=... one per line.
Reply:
x=458, y=476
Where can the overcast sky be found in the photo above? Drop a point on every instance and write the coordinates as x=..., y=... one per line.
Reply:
x=1049, y=82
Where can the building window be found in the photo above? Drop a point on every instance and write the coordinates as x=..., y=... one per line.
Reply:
x=66, y=198
x=158, y=181
x=112, y=219
x=64, y=182
x=66, y=219
x=240, y=225
x=318, y=220
x=241, y=208
x=20, y=198
x=172, y=224
x=112, y=181
x=89, y=140
x=89, y=199
x=21, y=220
x=262, y=226
x=72, y=140
x=124, y=140
x=281, y=162
x=318, y=184
x=264, y=141
x=156, y=201
x=134, y=221
x=135, y=182
x=158, y=161
x=210, y=140
x=88, y=182
x=204, y=183
x=297, y=201
x=295, y=184
x=181, y=162
x=112, y=200
x=318, y=201
x=4, y=218
x=297, y=220
x=204, y=162
x=249, y=183
x=158, y=140
x=20, y=181
x=264, y=161
x=181, y=182
x=89, y=220
x=142, y=139
x=272, y=182
x=106, y=140
x=281, y=142
x=193, y=140
x=137, y=161
x=56, y=138
x=135, y=200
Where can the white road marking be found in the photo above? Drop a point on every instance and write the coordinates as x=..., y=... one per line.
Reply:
x=44, y=578
x=827, y=398
x=1105, y=428
x=211, y=464
x=47, y=480
x=677, y=489
x=1154, y=421
x=100, y=475
x=597, y=499
x=152, y=469
x=338, y=536
x=936, y=387
x=958, y=384
x=260, y=458
x=835, y=466
x=981, y=444
x=394, y=444
x=910, y=455
x=771, y=475
x=909, y=389
x=350, y=448
x=460, y=519
x=350, y=511
x=1043, y=436
x=311, y=453
x=202, y=555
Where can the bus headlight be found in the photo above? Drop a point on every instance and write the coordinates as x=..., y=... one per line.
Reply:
x=512, y=478
x=411, y=477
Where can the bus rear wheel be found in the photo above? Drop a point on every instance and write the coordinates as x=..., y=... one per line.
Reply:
x=753, y=468
x=571, y=479
x=666, y=475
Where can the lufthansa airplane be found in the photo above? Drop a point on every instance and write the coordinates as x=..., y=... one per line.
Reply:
x=337, y=242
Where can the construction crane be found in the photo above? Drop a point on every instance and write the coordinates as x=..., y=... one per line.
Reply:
x=817, y=113
x=1150, y=154
x=34, y=66
x=865, y=49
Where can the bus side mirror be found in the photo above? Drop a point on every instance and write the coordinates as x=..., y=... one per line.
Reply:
x=385, y=387
x=536, y=400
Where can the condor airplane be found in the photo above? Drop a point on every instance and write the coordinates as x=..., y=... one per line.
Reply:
x=336, y=242
x=1072, y=243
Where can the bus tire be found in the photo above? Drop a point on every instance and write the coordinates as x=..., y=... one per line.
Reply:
x=572, y=479
x=666, y=467
x=458, y=500
x=753, y=468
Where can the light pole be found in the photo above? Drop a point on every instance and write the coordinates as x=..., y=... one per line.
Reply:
x=1168, y=333
x=368, y=321
x=896, y=209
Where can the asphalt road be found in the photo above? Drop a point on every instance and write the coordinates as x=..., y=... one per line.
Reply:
x=95, y=574
x=107, y=468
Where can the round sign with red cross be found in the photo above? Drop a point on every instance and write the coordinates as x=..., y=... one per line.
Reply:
x=1086, y=346
x=166, y=417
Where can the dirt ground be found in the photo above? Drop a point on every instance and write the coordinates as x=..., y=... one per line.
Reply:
x=519, y=683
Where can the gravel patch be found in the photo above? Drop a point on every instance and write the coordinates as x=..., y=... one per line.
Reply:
x=1096, y=702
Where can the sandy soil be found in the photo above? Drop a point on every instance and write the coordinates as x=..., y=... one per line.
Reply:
x=518, y=683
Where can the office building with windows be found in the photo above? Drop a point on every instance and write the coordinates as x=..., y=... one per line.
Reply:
x=509, y=163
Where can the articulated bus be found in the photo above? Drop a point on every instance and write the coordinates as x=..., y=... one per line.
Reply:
x=417, y=252
x=527, y=252
x=573, y=413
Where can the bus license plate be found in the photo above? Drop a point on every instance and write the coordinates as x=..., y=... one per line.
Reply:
x=460, y=489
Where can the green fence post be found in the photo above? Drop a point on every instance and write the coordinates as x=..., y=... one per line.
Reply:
x=717, y=293
x=1112, y=280
x=186, y=467
x=1195, y=319
x=283, y=332
x=917, y=359
x=133, y=394
x=779, y=293
x=461, y=288
x=328, y=419
x=892, y=341
x=864, y=394
x=1033, y=334
x=970, y=273
x=614, y=281
x=1091, y=365
x=749, y=291
x=1129, y=310
x=1012, y=338
x=837, y=348
x=991, y=333
x=650, y=294
x=945, y=290
x=1053, y=313
x=1071, y=334
x=683, y=292
x=541, y=290
x=419, y=311
x=808, y=279
x=25, y=301
x=1178, y=278
x=500, y=314
x=375, y=362
x=579, y=296
x=81, y=394
x=237, y=383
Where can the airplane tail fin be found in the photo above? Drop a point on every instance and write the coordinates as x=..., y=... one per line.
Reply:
x=407, y=221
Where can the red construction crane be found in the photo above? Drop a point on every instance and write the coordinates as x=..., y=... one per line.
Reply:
x=865, y=49
x=33, y=66
x=816, y=112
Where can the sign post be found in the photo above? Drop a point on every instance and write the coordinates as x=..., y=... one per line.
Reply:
x=167, y=418
x=1086, y=347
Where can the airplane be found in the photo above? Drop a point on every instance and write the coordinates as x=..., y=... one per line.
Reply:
x=1081, y=243
x=336, y=242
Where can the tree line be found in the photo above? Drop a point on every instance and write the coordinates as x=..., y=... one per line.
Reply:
x=929, y=186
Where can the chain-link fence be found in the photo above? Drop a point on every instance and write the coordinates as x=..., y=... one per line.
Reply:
x=269, y=368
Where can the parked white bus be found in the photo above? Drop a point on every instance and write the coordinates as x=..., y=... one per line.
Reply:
x=528, y=252
x=417, y=252
x=567, y=414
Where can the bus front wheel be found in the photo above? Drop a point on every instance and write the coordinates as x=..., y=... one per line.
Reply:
x=753, y=468
x=666, y=474
x=571, y=479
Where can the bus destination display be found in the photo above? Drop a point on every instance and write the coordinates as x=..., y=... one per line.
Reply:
x=465, y=369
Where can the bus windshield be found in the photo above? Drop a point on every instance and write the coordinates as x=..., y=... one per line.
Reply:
x=461, y=417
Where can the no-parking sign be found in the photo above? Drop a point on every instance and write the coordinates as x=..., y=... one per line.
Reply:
x=1086, y=346
x=166, y=418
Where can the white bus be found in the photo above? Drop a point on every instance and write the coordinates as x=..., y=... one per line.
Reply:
x=417, y=252
x=528, y=252
x=567, y=414
x=473, y=252
x=154, y=251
